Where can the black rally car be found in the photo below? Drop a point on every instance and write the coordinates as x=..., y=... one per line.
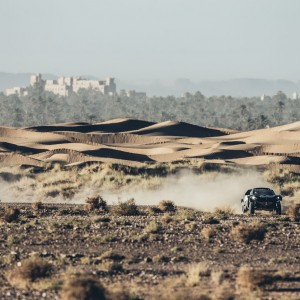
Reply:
x=261, y=199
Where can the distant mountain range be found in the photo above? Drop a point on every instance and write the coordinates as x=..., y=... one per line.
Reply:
x=241, y=87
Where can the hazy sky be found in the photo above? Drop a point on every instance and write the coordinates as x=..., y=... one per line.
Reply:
x=152, y=39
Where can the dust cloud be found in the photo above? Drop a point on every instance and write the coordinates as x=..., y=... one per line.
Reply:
x=200, y=191
x=203, y=192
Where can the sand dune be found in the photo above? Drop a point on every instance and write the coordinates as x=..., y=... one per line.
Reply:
x=171, y=128
x=135, y=142
x=116, y=125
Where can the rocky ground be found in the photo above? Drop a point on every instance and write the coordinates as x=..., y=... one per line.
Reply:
x=182, y=254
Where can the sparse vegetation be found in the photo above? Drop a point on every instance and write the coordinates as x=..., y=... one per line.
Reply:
x=210, y=219
x=250, y=279
x=247, y=232
x=161, y=251
x=126, y=208
x=223, y=213
x=195, y=272
x=152, y=210
x=11, y=214
x=111, y=266
x=294, y=212
x=167, y=206
x=38, y=205
x=83, y=288
x=153, y=227
x=29, y=271
x=96, y=202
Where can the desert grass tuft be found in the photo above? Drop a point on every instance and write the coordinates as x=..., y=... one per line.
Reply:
x=96, y=202
x=126, y=208
x=111, y=266
x=153, y=227
x=11, y=214
x=247, y=232
x=153, y=210
x=167, y=206
x=38, y=205
x=294, y=212
x=249, y=279
x=83, y=288
x=29, y=271
x=223, y=213
x=195, y=272
x=166, y=218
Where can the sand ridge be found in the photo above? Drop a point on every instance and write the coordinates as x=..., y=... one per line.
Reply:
x=136, y=142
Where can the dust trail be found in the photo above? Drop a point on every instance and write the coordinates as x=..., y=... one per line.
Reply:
x=203, y=192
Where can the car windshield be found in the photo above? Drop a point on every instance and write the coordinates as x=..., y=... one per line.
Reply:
x=263, y=192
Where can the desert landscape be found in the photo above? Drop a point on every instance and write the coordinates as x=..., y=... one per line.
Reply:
x=150, y=150
x=129, y=209
x=135, y=142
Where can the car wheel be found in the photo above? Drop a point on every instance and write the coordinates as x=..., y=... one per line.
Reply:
x=244, y=208
x=251, y=208
x=278, y=209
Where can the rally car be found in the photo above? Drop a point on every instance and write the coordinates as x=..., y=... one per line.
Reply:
x=261, y=199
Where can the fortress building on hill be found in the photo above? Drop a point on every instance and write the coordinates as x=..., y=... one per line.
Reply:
x=63, y=86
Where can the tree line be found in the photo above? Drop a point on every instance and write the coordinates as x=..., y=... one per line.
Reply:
x=40, y=108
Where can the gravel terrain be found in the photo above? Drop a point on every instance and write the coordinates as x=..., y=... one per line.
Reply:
x=149, y=255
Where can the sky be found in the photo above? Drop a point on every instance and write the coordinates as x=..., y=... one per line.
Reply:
x=152, y=39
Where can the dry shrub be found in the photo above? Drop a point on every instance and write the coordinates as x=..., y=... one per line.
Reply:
x=83, y=288
x=287, y=191
x=124, y=291
x=29, y=271
x=210, y=219
x=166, y=218
x=126, y=208
x=247, y=232
x=195, y=272
x=208, y=233
x=218, y=277
x=223, y=213
x=152, y=210
x=224, y=292
x=167, y=206
x=93, y=203
x=37, y=205
x=294, y=212
x=153, y=227
x=185, y=215
x=250, y=279
x=111, y=267
x=11, y=214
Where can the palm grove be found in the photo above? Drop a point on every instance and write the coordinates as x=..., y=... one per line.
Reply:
x=40, y=108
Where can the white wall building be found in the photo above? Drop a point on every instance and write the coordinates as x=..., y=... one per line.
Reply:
x=20, y=91
x=63, y=86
